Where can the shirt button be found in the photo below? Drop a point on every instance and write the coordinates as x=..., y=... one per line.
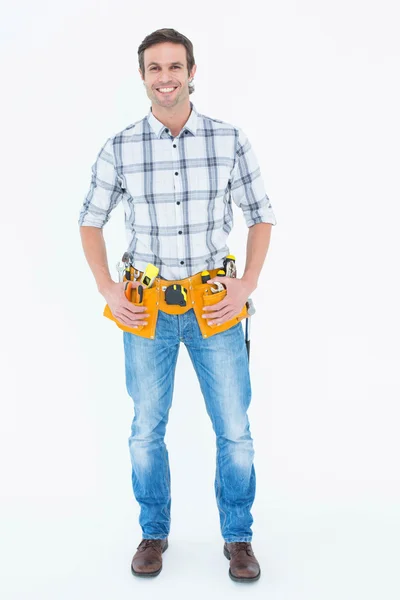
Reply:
x=179, y=231
x=176, y=172
x=167, y=131
x=178, y=202
x=182, y=262
x=174, y=145
x=185, y=131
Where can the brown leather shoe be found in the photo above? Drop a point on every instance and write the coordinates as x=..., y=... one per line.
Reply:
x=243, y=564
x=147, y=561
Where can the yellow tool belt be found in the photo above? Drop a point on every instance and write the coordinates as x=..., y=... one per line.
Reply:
x=198, y=295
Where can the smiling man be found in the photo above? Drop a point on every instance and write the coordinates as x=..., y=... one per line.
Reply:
x=176, y=172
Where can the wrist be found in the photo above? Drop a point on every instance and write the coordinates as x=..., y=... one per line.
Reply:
x=250, y=280
x=104, y=286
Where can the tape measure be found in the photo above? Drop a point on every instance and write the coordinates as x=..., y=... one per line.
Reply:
x=176, y=294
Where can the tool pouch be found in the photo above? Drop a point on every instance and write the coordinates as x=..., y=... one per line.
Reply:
x=204, y=297
x=150, y=301
x=196, y=295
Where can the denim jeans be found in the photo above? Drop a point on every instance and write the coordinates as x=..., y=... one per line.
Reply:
x=222, y=368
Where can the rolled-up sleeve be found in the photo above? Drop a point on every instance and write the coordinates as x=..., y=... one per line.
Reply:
x=105, y=191
x=247, y=185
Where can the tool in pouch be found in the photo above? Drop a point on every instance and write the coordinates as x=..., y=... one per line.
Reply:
x=148, y=277
x=147, y=281
x=126, y=269
x=250, y=312
x=176, y=294
x=229, y=270
x=230, y=265
x=129, y=290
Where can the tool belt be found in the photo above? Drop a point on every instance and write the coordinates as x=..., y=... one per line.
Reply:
x=163, y=291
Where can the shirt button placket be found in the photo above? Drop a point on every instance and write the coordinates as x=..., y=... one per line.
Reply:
x=178, y=188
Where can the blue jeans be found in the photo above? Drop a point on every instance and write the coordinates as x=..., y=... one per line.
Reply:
x=222, y=368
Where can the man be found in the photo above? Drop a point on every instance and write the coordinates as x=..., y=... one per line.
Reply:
x=176, y=172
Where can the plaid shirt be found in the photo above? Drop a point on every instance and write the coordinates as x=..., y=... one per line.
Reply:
x=177, y=192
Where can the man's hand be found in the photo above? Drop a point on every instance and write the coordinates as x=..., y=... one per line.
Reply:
x=124, y=311
x=237, y=292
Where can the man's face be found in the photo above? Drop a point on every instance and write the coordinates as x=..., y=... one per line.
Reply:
x=165, y=66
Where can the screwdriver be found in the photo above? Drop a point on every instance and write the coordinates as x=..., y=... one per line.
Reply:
x=205, y=276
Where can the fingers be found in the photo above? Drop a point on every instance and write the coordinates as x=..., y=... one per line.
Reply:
x=125, y=317
x=130, y=314
x=216, y=318
x=224, y=319
x=218, y=306
x=219, y=312
x=132, y=308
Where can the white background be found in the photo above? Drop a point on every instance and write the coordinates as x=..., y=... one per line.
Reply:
x=315, y=86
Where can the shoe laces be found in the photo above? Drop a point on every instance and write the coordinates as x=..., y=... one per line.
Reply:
x=237, y=547
x=149, y=543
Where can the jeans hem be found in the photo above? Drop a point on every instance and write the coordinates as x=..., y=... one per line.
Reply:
x=154, y=537
x=242, y=539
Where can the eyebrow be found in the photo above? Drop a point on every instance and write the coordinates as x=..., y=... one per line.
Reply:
x=173, y=63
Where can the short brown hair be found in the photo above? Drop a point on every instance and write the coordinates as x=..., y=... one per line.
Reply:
x=168, y=35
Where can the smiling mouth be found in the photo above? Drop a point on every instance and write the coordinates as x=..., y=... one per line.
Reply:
x=168, y=90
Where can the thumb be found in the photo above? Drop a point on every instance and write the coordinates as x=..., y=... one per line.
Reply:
x=218, y=278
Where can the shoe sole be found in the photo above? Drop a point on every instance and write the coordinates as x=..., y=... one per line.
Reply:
x=151, y=573
x=240, y=579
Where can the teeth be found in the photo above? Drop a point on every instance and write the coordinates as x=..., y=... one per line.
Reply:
x=166, y=89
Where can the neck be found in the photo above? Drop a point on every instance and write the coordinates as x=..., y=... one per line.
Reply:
x=175, y=117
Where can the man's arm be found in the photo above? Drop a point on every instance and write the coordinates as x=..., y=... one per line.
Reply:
x=258, y=240
x=96, y=255
x=122, y=309
x=104, y=194
x=239, y=289
x=248, y=192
